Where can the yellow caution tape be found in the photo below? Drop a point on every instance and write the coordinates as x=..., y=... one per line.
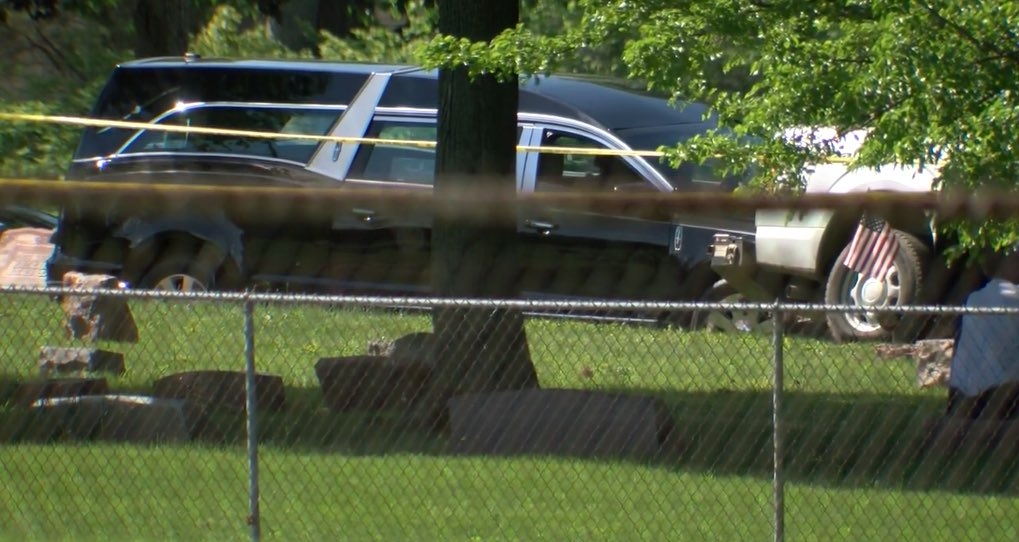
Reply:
x=133, y=125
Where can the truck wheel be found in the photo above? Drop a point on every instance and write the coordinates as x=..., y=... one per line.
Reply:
x=900, y=287
x=730, y=320
x=179, y=273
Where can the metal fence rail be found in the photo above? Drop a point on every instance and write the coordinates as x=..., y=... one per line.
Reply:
x=222, y=416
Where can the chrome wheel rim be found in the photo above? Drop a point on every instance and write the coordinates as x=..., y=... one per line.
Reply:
x=869, y=292
x=738, y=320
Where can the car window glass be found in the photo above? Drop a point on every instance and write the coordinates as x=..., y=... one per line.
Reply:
x=578, y=171
x=393, y=161
x=304, y=121
x=142, y=93
x=684, y=176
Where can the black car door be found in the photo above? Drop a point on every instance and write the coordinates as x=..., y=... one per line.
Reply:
x=386, y=245
x=383, y=244
x=578, y=253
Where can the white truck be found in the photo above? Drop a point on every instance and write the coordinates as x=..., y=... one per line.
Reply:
x=799, y=255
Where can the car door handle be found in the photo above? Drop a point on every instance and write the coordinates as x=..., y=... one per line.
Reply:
x=542, y=227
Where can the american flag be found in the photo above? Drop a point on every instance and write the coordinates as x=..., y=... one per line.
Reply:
x=873, y=248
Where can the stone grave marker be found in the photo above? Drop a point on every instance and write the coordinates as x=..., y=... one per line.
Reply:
x=124, y=418
x=30, y=391
x=23, y=255
x=560, y=422
x=95, y=317
x=371, y=383
x=209, y=389
x=78, y=360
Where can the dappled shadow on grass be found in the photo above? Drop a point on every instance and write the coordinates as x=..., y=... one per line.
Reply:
x=837, y=440
x=303, y=425
x=852, y=441
x=860, y=440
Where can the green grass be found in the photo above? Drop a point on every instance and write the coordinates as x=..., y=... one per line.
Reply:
x=853, y=426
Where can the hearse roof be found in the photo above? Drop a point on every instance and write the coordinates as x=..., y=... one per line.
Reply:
x=604, y=102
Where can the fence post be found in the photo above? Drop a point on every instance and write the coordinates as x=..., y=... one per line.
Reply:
x=254, y=517
x=778, y=382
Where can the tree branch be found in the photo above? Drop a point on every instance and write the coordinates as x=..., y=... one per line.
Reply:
x=41, y=47
x=961, y=31
x=794, y=7
x=56, y=55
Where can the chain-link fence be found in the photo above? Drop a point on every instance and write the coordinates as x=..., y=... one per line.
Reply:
x=130, y=413
x=141, y=415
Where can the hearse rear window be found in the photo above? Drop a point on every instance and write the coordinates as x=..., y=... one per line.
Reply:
x=275, y=119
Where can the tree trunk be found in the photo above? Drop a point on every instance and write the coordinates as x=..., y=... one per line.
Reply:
x=477, y=256
x=162, y=27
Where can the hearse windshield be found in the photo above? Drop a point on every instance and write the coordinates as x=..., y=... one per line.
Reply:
x=689, y=175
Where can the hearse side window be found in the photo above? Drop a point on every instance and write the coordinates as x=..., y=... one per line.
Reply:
x=583, y=172
x=283, y=120
x=395, y=162
x=142, y=93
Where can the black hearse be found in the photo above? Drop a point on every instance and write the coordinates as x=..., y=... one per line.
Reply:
x=581, y=254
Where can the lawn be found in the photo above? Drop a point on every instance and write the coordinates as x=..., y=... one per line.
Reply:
x=853, y=424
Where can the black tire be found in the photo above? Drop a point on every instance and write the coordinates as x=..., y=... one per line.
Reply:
x=729, y=321
x=179, y=272
x=901, y=287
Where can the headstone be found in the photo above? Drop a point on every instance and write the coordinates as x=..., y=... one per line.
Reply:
x=125, y=418
x=78, y=360
x=414, y=347
x=33, y=390
x=370, y=382
x=23, y=255
x=206, y=390
x=555, y=421
x=933, y=359
x=891, y=351
x=380, y=347
x=93, y=317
